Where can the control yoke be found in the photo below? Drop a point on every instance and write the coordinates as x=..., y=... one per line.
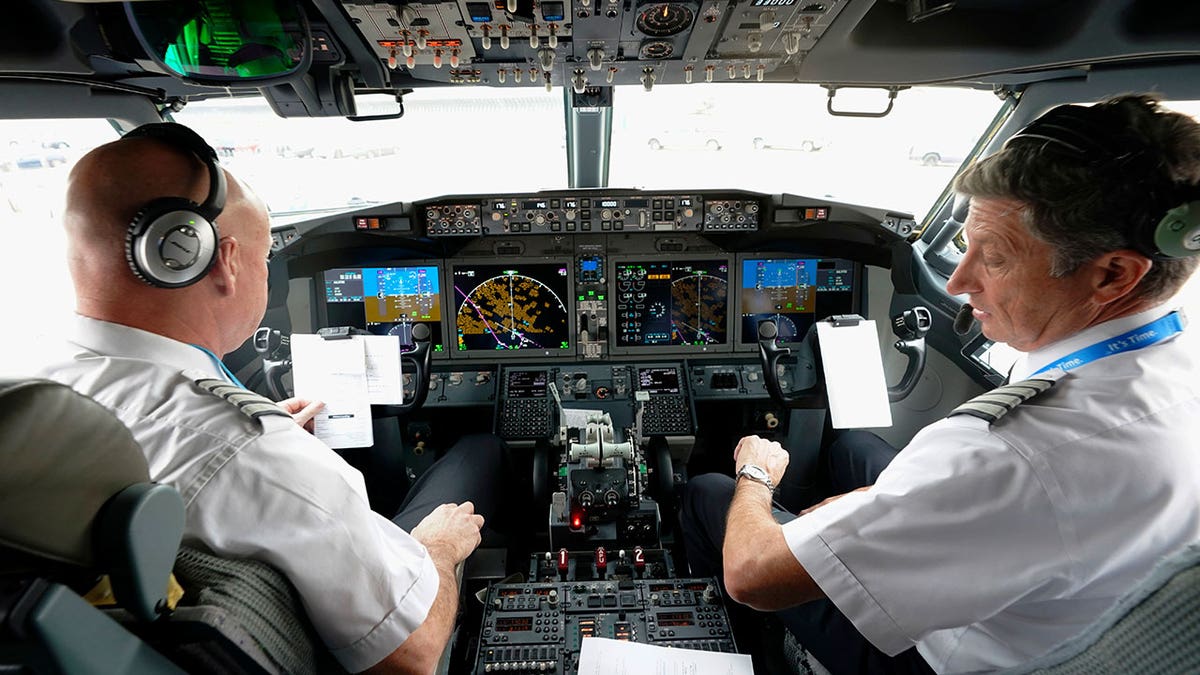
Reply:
x=769, y=353
x=910, y=327
x=420, y=361
x=275, y=350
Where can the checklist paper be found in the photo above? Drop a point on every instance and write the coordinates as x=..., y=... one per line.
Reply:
x=348, y=375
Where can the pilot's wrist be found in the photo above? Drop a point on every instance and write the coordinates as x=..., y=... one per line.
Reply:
x=753, y=473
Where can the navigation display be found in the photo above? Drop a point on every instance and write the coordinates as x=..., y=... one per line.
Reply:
x=512, y=307
x=795, y=293
x=672, y=303
x=385, y=300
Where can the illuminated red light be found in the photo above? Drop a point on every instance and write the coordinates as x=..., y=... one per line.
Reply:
x=576, y=521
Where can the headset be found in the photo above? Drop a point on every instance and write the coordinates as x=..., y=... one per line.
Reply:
x=172, y=241
x=1096, y=135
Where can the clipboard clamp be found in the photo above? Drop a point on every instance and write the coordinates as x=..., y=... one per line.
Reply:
x=340, y=332
x=841, y=320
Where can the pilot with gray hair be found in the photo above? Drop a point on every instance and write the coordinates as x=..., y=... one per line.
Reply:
x=1011, y=525
x=168, y=254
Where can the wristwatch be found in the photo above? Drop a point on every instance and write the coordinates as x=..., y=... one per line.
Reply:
x=757, y=474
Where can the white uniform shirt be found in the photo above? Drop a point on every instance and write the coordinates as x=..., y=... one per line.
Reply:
x=262, y=489
x=987, y=546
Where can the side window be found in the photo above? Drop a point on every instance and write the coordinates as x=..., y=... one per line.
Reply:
x=38, y=300
x=1189, y=297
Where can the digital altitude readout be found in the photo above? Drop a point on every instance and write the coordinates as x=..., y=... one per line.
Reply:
x=514, y=624
x=670, y=619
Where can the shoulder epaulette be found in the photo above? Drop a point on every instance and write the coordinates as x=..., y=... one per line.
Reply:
x=997, y=403
x=248, y=402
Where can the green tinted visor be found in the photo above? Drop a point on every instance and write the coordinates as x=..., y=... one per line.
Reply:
x=224, y=41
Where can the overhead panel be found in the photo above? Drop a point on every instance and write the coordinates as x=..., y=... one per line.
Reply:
x=584, y=43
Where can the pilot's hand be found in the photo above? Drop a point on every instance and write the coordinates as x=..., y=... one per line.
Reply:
x=452, y=530
x=767, y=454
x=302, y=410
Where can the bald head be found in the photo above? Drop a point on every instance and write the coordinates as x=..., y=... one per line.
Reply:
x=105, y=191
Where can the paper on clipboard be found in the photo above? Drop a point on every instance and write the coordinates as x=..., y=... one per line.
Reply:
x=604, y=656
x=348, y=375
x=385, y=386
x=854, y=375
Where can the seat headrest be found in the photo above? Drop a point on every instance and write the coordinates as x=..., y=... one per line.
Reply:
x=63, y=456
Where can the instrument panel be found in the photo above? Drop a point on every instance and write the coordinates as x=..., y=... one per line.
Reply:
x=593, y=305
x=587, y=275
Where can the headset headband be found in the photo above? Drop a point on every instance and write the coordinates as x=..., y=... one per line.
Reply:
x=183, y=138
x=1098, y=136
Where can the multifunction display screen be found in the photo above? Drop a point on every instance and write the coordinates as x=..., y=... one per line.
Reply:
x=658, y=380
x=672, y=303
x=794, y=293
x=385, y=300
x=515, y=306
x=527, y=384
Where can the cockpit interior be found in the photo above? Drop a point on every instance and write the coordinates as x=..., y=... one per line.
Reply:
x=620, y=333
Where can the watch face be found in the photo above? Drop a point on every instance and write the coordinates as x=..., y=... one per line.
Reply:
x=755, y=472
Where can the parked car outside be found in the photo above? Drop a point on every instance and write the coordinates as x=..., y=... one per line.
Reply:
x=937, y=156
x=687, y=139
x=805, y=144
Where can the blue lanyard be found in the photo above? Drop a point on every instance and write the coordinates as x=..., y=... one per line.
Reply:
x=221, y=366
x=1142, y=336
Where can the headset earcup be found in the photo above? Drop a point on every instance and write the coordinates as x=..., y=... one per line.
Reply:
x=1177, y=235
x=170, y=221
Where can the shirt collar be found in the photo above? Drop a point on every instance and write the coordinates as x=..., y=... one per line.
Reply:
x=1030, y=362
x=114, y=339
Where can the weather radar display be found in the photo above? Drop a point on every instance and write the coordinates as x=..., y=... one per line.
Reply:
x=514, y=306
x=672, y=303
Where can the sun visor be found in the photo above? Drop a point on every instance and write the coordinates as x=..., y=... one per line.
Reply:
x=224, y=42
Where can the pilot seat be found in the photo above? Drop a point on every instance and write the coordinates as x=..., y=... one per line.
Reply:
x=77, y=503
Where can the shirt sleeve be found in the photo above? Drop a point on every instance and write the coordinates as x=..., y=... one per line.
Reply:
x=288, y=500
x=957, y=528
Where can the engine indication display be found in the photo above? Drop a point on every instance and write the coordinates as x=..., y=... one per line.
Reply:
x=512, y=307
x=672, y=303
x=385, y=300
x=794, y=293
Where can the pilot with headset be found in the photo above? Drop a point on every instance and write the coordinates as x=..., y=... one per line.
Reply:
x=1011, y=525
x=153, y=319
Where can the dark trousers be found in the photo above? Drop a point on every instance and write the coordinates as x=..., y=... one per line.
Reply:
x=473, y=470
x=856, y=459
